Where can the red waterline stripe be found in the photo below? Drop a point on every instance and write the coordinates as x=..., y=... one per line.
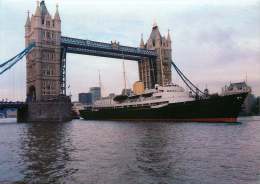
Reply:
x=229, y=120
x=215, y=120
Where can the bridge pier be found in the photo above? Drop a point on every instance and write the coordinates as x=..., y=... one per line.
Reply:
x=56, y=110
x=22, y=114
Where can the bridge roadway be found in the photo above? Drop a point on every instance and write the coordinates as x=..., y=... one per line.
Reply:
x=112, y=50
x=16, y=105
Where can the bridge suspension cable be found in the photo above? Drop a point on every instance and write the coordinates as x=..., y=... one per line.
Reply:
x=11, y=62
x=188, y=83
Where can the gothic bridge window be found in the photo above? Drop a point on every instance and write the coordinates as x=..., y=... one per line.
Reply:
x=48, y=35
x=43, y=34
x=48, y=23
x=48, y=56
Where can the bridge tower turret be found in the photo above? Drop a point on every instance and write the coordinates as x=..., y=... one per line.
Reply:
x=142, y=42
x=27, y=29
x=158, y=71
x=43, y=62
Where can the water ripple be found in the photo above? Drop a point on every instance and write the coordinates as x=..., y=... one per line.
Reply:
x=130, y=152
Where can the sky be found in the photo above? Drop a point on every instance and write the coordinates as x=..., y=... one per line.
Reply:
x=213, y=42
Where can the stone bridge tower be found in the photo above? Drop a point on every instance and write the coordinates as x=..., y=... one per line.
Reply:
x=158, y=71
x=43, y=62
x=44, y=102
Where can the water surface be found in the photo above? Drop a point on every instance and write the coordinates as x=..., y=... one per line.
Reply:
x=110, y=152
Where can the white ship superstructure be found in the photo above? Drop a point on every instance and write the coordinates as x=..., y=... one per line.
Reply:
x=161, y=95
x=236, y=88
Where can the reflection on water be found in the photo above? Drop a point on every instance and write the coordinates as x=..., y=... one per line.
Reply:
x=130, y=152
x=45, y=150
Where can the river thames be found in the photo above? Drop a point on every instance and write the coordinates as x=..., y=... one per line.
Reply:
x=111, y=152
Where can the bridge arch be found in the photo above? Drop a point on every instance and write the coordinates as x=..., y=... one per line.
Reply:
x=31, y=96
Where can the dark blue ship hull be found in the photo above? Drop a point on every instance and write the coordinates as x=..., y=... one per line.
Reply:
x=213, y=109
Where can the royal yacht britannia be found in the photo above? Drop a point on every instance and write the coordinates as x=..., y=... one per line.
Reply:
x=170, y=102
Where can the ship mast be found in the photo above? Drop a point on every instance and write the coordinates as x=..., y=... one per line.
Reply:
x=124, y=74
x=99, y=82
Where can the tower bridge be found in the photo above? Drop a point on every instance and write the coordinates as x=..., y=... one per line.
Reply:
x=46, y=51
